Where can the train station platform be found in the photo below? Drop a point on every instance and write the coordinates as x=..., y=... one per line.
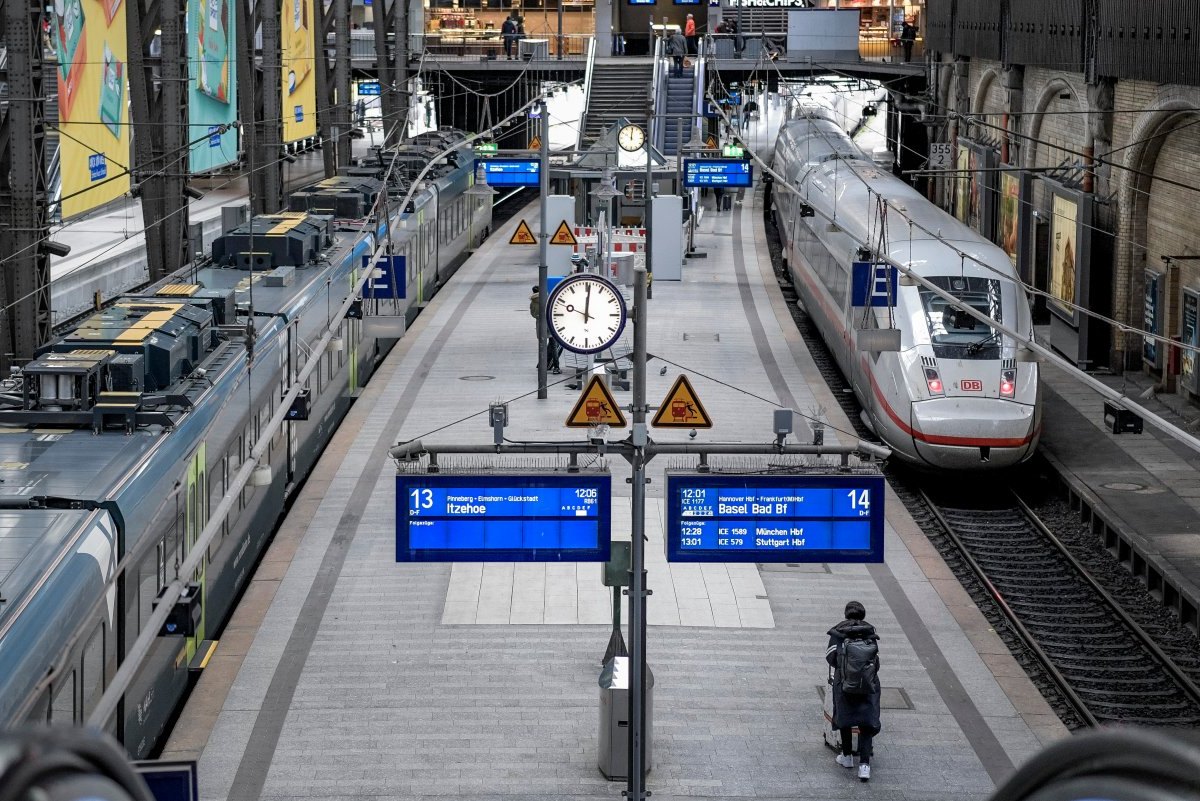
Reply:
x=346, y=675
x=1139, y=492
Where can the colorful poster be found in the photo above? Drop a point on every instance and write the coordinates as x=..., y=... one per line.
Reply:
x=1010, y=205
x=212, y=84
x=962, y=184
x=93, y=102
x=1063, y=230
x=299, y=83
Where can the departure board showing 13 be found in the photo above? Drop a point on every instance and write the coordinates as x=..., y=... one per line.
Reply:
x=774, y=518
x=508, y=518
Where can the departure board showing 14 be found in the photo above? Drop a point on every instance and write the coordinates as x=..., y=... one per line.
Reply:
x=774, y=518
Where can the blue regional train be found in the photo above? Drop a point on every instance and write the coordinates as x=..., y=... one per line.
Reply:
x=123, y=433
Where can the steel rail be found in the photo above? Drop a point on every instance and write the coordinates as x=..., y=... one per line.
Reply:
x=1182, y=679
x=1026, y=636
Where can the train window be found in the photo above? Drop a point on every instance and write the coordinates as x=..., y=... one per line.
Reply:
x=91, y=671
x=150, y=581
x=953, y=332
x=341, y=354
x=62, y=708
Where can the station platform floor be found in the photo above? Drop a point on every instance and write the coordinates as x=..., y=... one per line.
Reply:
x=346, y=675
x=1140, y=491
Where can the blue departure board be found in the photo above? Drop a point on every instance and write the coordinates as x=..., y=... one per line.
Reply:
x=563, y=517
x=512, y=172
x=734, y=173
x=774, y=518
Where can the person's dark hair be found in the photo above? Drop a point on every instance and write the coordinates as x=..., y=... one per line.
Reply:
x=535, y=288
x=855, y=611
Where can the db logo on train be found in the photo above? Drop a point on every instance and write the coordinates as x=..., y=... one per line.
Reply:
x=971, y=385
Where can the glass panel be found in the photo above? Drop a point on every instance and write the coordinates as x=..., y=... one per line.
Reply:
x=953, y=332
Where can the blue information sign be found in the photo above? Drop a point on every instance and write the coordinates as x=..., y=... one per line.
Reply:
x=503, y=518
x=774, y=518
x=717, y=172
x=512, y=172
x=368, y=87
x=97, y=166
x=873, y=284
x=390, y=282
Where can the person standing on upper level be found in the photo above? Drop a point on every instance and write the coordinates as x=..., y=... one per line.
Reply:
x=689, y=32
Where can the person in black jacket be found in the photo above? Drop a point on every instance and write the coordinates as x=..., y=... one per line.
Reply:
x=854, y=711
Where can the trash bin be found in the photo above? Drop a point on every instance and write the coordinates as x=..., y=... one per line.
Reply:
x=614, y=719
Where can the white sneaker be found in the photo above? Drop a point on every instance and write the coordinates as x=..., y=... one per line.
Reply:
x=864, y=773
x=846, y=761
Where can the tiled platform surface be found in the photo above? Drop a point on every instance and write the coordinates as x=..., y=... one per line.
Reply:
x=342, y=675
x=1146, y=487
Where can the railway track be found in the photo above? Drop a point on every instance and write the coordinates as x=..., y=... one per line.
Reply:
x=1104, y=664
x=1083, y=651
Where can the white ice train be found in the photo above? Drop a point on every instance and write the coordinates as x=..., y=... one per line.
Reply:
x=958, y=394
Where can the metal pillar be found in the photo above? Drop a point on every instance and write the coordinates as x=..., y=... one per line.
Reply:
x=333, y=108
x=403, y=102
x=24, y=260
x=260, y=104
x=636, y=789
x=158, y=110
x=543, y=242
x=381, y=15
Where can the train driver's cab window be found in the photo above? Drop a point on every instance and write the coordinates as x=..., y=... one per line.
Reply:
x=954, y=333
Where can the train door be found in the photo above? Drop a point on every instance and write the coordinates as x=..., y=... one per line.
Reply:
x=195, y=516
x=290, y=370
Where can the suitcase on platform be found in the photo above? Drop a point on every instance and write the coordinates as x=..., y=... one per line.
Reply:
x=833, y=738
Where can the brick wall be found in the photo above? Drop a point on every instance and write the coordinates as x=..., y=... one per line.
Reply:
x=989, y=98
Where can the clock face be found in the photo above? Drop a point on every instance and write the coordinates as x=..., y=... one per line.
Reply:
x=631, y=137
x=586, y=313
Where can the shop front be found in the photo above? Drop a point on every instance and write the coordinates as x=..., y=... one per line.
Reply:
x=475, y=27
x=880, y=28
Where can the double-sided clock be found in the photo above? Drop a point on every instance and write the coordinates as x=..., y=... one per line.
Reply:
x=586, y=313
x=631, y=138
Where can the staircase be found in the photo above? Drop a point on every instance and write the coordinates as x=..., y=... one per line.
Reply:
x=680, y=94
x=620, y=88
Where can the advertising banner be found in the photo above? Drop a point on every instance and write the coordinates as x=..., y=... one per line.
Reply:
x=212, y=84
x=962, y=184
x=1064, y=247
x=296, y=25
x=93, y=102
x=1010, y=205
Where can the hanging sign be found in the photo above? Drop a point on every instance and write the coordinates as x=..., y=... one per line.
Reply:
x=523, y=236
x=596, y=406
x=681, y=408
x=563, y=235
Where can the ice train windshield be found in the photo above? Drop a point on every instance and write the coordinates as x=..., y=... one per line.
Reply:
x=954, y=333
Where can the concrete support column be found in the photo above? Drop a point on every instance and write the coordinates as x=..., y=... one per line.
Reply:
x=1014, y=83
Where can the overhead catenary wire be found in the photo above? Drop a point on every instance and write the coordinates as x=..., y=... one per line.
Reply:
x=108, y=703
x=1124, y=328
x=1070, y=369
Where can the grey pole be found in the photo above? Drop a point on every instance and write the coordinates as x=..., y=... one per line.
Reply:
x=543, y=237
x=560, y=33
x=646, y=196
x=637, y=552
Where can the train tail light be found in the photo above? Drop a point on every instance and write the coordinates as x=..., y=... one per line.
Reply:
x=934, y=382
x=1008, y=383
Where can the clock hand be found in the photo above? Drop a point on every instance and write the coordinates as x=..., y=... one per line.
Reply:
x=587, y=303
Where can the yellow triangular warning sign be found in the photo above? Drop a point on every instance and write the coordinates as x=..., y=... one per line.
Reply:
x=523, y=236
x=681, y=408
x=564, y=235
x=711, y=143
x=596, y=406
x=535, y=143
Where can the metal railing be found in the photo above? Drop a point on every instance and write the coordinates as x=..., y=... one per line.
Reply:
x=476, y=45
x=587, y=93
x=657, y=97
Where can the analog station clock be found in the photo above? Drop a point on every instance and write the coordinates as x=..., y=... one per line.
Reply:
x=631, y=138
x=586, y=313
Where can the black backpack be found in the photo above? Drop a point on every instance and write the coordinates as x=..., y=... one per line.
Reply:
x=857, y=666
